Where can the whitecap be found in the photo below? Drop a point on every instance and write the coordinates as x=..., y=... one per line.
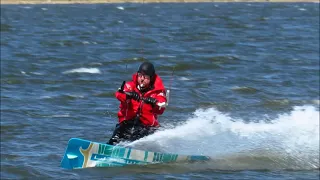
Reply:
x=83, y=70
x=36, y=73
x=26, y=7
x=75, y=96
x=120, y=7
x=184, y=79
x=60, y=115
x=45, y=97
x=166, y=56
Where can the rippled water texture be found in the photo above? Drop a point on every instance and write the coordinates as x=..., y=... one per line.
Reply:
x=244, y=81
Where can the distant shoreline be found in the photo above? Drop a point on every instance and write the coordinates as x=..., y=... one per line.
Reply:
x=137, y=1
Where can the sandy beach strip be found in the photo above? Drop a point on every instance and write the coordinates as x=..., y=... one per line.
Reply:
x=136, y=1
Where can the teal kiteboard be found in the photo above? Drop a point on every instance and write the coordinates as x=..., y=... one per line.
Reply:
x=84, y=154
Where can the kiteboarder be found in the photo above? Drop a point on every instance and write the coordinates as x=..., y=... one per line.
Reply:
x=141, y=101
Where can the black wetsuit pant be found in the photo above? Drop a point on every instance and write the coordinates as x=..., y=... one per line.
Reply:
x=130, y=130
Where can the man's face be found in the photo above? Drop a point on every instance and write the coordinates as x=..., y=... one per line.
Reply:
x=143, y=80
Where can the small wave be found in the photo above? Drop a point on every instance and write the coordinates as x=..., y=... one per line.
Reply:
x=9, y=157
x=37, y=73
x=96, y=64
x=46, y=97
x=59, y=115
x=166, y=56
x=11, y=127
x=62, y=97
x=316, y=102
x=276, y=103
x=83, y=70
x=75, y=96
x=120, y=7
x=24, y=55
x=311, y=102
x=247, y=90
x=12, y=81
x=184, y=79
x=228, y=59
x=6, y=28
x=70, y=97
x=26, y=7
x=302, y=9
x=105, y=94
x=87, y=42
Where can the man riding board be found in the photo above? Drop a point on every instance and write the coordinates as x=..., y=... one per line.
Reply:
x=141, y=101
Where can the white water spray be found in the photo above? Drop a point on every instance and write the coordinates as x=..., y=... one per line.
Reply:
x=290, y=139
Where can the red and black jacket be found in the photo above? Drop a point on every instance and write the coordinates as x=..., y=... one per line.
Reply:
x=130, y=108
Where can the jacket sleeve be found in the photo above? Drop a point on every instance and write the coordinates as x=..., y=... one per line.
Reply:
x=121, y=96
x=161, y=98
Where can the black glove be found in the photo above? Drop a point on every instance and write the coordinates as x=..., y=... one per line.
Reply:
x=150, y=100
x=133, y=95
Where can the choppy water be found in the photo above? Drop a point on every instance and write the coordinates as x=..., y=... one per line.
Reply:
x=245, y=87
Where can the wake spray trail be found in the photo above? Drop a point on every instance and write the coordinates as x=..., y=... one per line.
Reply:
x=290, y=141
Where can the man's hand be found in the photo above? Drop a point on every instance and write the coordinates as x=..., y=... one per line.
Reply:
x=150, y=100
x=133, y=95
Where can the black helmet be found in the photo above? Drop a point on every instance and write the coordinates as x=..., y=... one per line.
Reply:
x=147, y=69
